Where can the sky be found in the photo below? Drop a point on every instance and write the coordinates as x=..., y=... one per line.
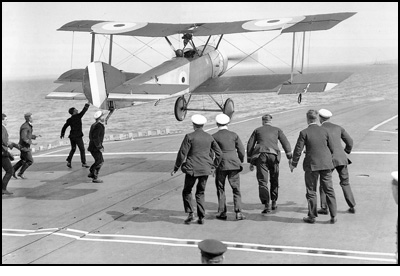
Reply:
x=32, y=48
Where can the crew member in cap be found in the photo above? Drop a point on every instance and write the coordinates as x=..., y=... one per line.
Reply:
x=340, y=160
x=395, y=192
x=317, y=163
x=212, y=251
x=96, y=137
x=76, y=134
x=263, y=152
x=196, y=158
x=230, y=167
x=6, y=156
x=25, y=141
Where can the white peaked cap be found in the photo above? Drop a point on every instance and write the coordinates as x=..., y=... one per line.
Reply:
x=325, y=113
x=395, y=175
x=98, y=114
x=199, y=119
x=222, y=119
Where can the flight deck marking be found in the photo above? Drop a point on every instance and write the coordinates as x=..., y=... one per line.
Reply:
x=259, y=248
x=384, y=122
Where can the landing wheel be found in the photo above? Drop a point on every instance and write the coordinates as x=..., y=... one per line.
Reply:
x=180, y=108
x=229, y=107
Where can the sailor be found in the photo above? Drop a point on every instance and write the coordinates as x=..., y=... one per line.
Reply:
x=263, y=152
x=212, y=251
x=230, y=167
x=96, y=137
x=195, y=157
x=25, y=142
x=395, y=192
x=340, y=160
x=76, y=134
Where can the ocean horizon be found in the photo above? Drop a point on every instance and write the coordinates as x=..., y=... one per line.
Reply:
x=367, y=83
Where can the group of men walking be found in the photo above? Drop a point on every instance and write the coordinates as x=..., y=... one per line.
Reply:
x=222, y=155
x=96, y=137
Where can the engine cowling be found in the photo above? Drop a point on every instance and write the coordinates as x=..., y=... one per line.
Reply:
x=219, y=59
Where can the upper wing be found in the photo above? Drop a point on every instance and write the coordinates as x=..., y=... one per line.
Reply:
x=288, y=24
x=312, y=82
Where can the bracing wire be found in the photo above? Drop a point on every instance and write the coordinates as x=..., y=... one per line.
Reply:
x=72, y=48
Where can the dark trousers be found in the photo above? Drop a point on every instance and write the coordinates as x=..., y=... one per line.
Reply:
x=267, y=163
x=187, y=194
x=98, y=162
x=311, y=179
x=8, y=168
x=25, y=161
x=78, y=141
x=344, y=183
x=234, y=180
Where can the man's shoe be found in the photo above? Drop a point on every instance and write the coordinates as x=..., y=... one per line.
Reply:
x=22, y=176
x=221, y=216
x=200, y=221
x=323, y=211
x=266, y=210
x=309, y=220
x=352, y=210
x=91, y=175
x=240, y=216
x=69, y=165
x=5, y=192
x=13, y=175
x=274, y=205
x=85, y=165
x=97, y=180
x=333, y=220
x=189, y=218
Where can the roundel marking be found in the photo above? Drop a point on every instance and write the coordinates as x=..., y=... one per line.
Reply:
x=183, y=77
x=116, y=27
x=268, y=24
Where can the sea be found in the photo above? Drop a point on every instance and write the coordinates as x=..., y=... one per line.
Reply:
x=367, y=83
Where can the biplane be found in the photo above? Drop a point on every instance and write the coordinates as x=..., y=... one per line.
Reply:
x=193, y=70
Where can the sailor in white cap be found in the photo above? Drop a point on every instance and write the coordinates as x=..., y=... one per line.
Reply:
x=96, y=137
x=230, y=167
x=340, y=160
x=197, y=164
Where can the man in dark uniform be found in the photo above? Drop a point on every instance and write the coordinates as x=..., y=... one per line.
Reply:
x=75, y=135
x=6, y=156
x=340, y=160
x=263, y=152
x=212, y=251
x=230, y=167
x=317, y=163
x=25, y=141
x=96, y=136
x=195, y=157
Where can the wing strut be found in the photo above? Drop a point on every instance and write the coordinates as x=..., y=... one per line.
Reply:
x=92, y=48
x=302, y=56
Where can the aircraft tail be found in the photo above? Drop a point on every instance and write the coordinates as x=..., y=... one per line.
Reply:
x=99, y=79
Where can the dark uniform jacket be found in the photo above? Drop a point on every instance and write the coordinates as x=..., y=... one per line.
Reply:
x=318, y=145
x=265, y=139
x=196, y=154
x=4, y=142
x=25, y=135
x=338, y=133
x=232, y=150
x=75, y=122
x=96, y=136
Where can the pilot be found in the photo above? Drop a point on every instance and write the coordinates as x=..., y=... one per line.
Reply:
x=212, y=251
x=195, y=157
x=179, y=53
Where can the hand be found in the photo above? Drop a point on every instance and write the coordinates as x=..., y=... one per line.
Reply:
x=251, y=167
x=291, y=167
x=62, y=137
x=173, y=172
x=102, y=149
